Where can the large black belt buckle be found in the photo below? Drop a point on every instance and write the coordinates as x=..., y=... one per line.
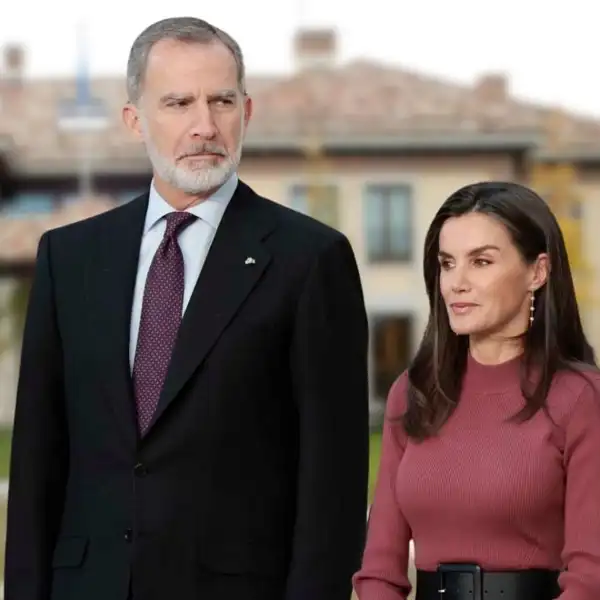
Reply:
x=458, y=568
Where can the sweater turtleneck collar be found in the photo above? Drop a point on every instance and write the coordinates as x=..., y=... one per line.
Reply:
x=483, y=378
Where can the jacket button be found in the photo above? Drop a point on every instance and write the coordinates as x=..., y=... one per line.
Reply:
x=128, y=535
x=140, y=470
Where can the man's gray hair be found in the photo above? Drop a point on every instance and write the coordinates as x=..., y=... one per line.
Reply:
x=182, y=29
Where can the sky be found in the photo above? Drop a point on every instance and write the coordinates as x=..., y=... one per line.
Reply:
x=549, y=52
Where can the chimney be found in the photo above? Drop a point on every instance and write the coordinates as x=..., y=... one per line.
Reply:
x=13, y=64
x=315, y=49
x=492, y=89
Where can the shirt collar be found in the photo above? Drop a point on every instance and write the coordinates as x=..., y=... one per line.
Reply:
x=210, y=210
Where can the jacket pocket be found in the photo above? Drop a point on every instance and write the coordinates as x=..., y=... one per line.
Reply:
x=69, y=552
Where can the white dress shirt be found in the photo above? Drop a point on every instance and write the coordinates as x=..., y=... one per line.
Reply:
x=194, y=241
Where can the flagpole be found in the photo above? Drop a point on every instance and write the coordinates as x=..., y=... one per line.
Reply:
x=83, y=115
x=82, y=102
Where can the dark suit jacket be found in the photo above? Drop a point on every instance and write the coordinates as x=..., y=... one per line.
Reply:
x=251, y=483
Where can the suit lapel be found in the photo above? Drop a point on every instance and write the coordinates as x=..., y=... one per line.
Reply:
x=110, y=285
x=235, y=263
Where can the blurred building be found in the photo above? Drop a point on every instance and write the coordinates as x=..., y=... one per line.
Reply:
x=371, y=149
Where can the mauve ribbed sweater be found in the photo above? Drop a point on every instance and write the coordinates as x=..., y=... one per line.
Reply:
x=503, y=495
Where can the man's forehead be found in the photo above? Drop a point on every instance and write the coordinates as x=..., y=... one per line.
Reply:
x=171, y=53
x=179, y=68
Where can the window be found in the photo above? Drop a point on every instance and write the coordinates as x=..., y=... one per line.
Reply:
x=29, y=204
x=388, y=223
x=317, y=201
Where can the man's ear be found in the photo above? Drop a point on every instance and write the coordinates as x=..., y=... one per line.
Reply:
x=248, y=110
x=131, y=118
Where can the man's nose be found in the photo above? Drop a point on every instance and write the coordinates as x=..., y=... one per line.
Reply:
x=203, y=123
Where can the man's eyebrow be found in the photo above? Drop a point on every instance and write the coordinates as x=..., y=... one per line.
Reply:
x=224, y=95
x=171, y=96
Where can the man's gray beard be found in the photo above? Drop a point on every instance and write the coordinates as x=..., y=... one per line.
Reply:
x=191, y=181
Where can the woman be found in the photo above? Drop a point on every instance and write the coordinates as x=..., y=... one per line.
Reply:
x=491, y=444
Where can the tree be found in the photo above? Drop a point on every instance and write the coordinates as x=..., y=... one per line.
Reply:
x=13, y=306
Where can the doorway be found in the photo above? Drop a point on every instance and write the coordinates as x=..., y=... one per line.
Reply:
x=391, y=350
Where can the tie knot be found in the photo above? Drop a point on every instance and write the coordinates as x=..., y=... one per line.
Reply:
x=177, y=222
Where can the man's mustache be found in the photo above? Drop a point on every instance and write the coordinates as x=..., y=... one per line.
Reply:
x=204, y=149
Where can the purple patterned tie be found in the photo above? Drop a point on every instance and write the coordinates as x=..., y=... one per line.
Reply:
x=161, y=316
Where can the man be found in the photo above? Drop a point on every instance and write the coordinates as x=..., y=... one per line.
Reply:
x=191, y=420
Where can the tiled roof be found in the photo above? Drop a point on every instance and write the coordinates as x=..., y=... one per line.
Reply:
x=366, y=98
x=358, y=99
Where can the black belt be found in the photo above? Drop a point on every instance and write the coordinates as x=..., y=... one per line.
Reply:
x=469, y=582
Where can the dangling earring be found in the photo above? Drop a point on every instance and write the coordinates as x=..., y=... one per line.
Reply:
x=532, y=309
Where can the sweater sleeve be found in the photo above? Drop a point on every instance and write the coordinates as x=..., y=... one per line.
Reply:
x=384, y=571
x=581, y=553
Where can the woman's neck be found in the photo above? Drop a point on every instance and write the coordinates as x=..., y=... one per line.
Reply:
x=490, y=351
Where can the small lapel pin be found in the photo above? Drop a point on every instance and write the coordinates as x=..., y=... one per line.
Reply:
x=250, y=261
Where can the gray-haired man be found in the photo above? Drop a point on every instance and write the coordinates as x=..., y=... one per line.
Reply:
x=192, y=417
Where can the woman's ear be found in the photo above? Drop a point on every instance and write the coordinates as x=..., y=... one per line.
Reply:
x=540, y=272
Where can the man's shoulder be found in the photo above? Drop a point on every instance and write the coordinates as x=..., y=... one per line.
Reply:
x=84, y=229
x=298, y=228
